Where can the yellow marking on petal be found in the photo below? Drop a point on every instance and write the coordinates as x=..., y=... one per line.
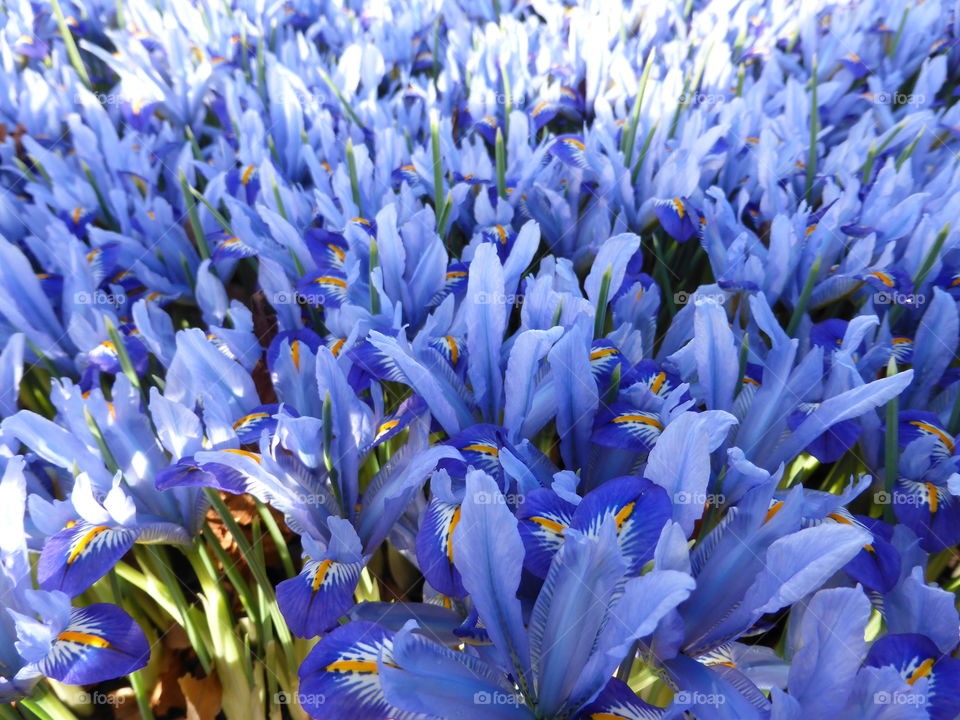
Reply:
x=933, y=497
x=81, y=638
x=247, y=173
x=539, y=108
x=882, y=277
x=337, y=347
x=361, y=221
x=606, y=716
x=502, y=233
x=348, y=666
x=153, y=296
x=385, y=428
x=77, y=212
x=901, y=340
x=43, y=276
x=70, y=524
x=774, y=509
x=137, y=105
x=576, y=143
x=326, y=166
x=811, y=229
x=295, y=353
x=679, y=206
x=247, y=418
x=331, y=280
x=456, y=274
x=454, y=349
x=245, y=453
x=946, y=439
x=321, y=574
x=483, y=449
x=337, y=251
x=753, y=140
x=603, y=352
x=454, y=521
x=469, y=176
x=839, y=518
x=922, y=671
x=658, y=382
x=548, y=524
x=956, y=281
x=640, y=419
x=84, y=541
x=625, y=512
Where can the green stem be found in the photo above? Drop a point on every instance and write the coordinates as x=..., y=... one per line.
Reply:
x=600, y=318
x=70, y=44
x=154, y=558
x=891, y=447
x=814, y=131
x=275, y=533
x=354, y=182
x=804, y=300
x=500, y=153
x=122, y=353
x=437, y=165
x=198, y=235
x=629, y=137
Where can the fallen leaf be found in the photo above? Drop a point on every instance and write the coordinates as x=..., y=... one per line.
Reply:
x=203, y=696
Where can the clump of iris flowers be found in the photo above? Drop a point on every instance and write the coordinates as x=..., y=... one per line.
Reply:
x=516, y=360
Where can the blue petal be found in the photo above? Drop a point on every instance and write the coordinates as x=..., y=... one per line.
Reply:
x=915, y=424
x=918, y=659
x=676, y=218
x=570, y=613
x=618, y=701
x=262, y=418
x=544, y=517
x=571, y=150
x=437, y=681
x=186, y=473
x=708, y=694
x=625, y=427
x=489, y=556
x=314, y=600
x=486, y=318
x=78, y=556
x=101, y=642
x=435, y=549
x=325, y=287
x=639, y=510
x=823, y=669
x=341, y=675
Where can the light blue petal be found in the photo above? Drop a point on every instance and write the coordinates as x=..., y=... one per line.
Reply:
x=832, y=632
x=486, y=318
x=488, y=552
